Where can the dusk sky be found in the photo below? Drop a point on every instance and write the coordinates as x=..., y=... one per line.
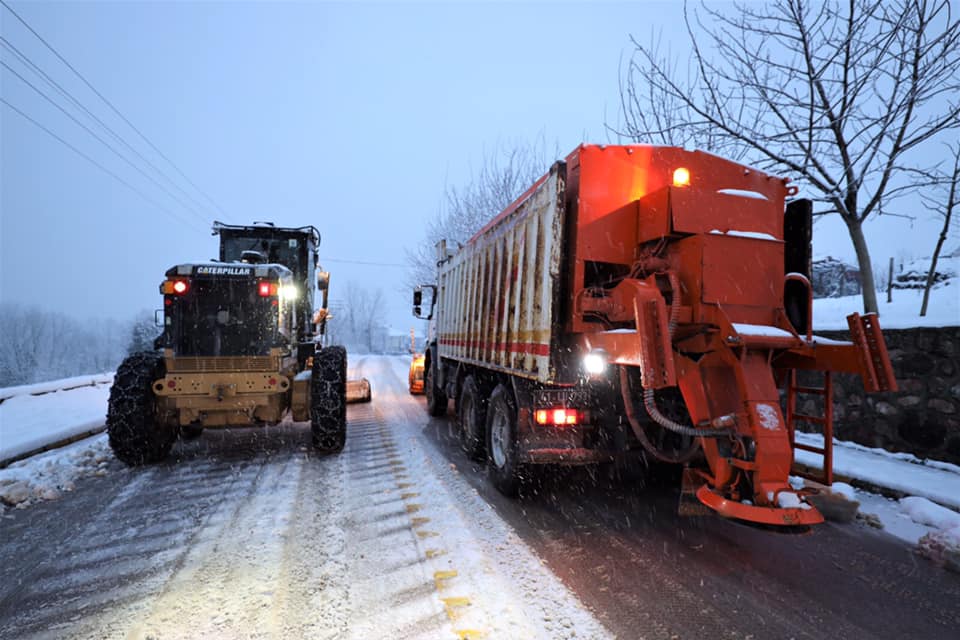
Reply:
x=350, y=117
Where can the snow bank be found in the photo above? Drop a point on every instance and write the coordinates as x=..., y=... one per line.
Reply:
x=939, y=482
x=941, y=545
x=925, y=512
x=48, y=475
x=29, y=422
x=63, y=384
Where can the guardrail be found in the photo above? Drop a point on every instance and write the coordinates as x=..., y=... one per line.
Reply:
x=62, y=434
x=52, y=386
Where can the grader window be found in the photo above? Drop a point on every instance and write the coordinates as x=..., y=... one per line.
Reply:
x=224, y=318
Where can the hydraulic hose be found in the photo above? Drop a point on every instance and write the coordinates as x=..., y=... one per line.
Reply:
x=681, y=456
x=649, y=401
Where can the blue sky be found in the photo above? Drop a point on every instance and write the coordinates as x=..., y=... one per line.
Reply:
x=351, y=117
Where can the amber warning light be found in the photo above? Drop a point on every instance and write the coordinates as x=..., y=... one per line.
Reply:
x=266, y=289
x=178, y=287
x=681, y=177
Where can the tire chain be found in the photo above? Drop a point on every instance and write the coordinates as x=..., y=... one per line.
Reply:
x=132, y=427
x=328, y=406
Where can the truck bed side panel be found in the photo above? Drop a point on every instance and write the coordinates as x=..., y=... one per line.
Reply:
x=499, y=293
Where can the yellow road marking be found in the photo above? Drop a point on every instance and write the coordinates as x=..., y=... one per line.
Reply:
x=420, y=521
x=413, y=508
x=407, y=496
x=404, y=485
x=433, y=553
x=450, y=605
x=427, y=534
x=468, y=634
x=440, y=578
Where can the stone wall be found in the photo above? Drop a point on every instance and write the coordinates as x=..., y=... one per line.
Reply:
x=923, y=416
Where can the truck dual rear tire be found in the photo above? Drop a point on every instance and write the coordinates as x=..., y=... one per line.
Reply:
x=328, y=399
x=503, y=459
x=472, y=419
x=136, y=432
x=436, y=398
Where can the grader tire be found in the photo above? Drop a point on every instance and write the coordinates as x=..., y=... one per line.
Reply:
x=137, y=434
x=328, y=399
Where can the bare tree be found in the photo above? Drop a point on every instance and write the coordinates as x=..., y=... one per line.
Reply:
x=362, y=316
x=38, y=345
x=944, y=206
x=143, y=332
x=503, y=176
x=844, y=96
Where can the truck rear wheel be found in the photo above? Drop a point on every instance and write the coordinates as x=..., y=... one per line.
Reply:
x=436, y=398
x=328, y=399
x=472, y=419
x=137, y=434
x=503, y=459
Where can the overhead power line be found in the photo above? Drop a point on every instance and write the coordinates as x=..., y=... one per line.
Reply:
x=95, y=163
x=113, y=108
x=116, y=136
x=98, y=138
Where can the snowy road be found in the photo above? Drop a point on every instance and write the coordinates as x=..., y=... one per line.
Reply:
x=249, y=534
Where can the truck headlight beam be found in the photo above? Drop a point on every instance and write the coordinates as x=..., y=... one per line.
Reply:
x=595, y=362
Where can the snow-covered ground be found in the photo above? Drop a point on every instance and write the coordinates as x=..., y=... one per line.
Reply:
x=35, y=415
x=926, y=517
x=902, y=313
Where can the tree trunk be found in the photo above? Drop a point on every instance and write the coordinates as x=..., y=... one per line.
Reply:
x=866, y=267
x=933, y=262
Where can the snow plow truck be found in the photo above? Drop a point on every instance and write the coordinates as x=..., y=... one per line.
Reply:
x=241, y=345
x=643, y=298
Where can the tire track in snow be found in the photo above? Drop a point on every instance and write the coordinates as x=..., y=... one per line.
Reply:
x=490, y=580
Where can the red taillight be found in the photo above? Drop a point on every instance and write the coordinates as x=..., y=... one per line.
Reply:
x=266, y=288
x=557, y=416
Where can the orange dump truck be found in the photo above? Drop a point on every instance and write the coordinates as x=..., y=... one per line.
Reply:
x=642, y=298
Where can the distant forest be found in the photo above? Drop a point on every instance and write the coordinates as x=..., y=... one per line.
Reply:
x=38, y=345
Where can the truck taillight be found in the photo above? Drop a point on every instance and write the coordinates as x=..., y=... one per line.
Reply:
x=266, y=289
x=557, y=416
x=176, y=287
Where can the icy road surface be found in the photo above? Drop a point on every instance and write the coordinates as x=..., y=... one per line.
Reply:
x=250, y=534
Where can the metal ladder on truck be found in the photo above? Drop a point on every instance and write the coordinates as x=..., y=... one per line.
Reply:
x=877, y=375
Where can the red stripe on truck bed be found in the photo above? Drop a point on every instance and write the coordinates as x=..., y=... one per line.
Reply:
x=535, y=348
